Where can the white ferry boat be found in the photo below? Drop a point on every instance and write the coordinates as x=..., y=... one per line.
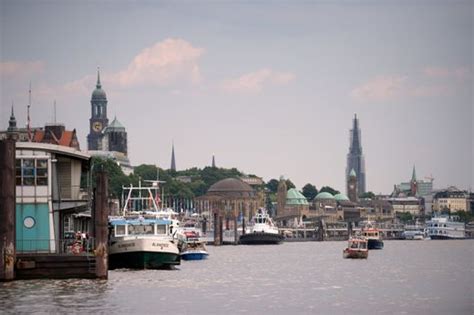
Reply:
x=414, y=232
x=263, y=231
x=142, y=237
x=445, y=228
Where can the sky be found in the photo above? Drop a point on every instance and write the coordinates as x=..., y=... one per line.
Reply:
x=270, y=88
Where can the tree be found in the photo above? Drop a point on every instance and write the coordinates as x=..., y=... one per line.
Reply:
x=116, y=177
x=309, y=191
x=405, y=217
x=464, y=216
x=289, y=184
x=329, y=189
x=367, y=195
x=272, y=185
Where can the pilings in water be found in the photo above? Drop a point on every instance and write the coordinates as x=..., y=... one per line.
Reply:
x=101, y=212
x=7, y=210
x=236, y=235
x=218, y=229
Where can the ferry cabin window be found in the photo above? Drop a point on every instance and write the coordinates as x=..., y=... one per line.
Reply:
x=140, y=229
x=120, y=230
x=160, y=229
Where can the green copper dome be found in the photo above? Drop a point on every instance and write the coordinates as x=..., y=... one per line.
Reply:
x=341, y=197
x=98, y=93
x=324, y=195
x=295, y=198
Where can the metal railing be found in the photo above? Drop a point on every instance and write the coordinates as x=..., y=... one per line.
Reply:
x=84, y=247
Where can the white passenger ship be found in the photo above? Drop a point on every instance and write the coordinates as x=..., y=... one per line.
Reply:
x=445, y=228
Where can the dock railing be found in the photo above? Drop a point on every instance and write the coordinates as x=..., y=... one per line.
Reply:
x=84, y=247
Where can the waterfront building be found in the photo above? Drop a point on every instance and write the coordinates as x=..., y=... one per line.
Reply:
x=355, y=158
x=51, y=199
x=326, y=205
x=376, y=210
x=412, y=205
x=229, y=200
x=296, y=209
x=451, y=199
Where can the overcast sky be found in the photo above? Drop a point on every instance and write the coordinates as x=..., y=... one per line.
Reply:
x=268, y=87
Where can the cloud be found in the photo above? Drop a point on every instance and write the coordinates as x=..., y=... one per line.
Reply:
x=167, y=62
x=20, y=70
x=443, y=72
x=381, y=88
x=256, y=81
x=431, y=90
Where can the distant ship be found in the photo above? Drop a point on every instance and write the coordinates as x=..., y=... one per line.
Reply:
x=263, y=231
x=444, y=228
x=373, y=236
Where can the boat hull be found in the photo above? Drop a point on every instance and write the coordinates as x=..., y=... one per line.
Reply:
x=374, y=244
x=445, y=237
x=260, y=238
x=194, y=255
x=355, y=254
x=143, y=260
x=143, y=253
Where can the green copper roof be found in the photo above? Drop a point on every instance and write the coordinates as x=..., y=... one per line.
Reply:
x=341, y=197
x=115, y=125
x=352, y=173
x=324, y=195
x=295, y=198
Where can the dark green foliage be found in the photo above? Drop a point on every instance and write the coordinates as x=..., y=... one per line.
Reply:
x=309, y=191
x=272, y=185
x=367, y=195
x=116, y=177
x=289, y=184
x=328, y=189
x=405, y=217
x=464, y=216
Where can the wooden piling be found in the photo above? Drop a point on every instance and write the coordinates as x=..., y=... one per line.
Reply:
x=236, y=235
x=7, y=210
x=101, y=212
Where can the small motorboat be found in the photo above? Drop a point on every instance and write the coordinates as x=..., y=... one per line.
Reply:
x=194, y=250
x=357, y=248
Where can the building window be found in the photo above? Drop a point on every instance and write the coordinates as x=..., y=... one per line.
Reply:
x=31, y=172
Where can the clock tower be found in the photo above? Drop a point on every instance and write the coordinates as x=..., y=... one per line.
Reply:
x=98, y=121
x=352, y=191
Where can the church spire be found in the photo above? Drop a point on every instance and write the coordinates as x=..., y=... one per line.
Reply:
x=413, y=174
x=12, y=121
x=173, y=160
x=213, y=161
x=98, y=85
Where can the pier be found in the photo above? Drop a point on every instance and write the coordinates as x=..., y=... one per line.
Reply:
x=33, y=241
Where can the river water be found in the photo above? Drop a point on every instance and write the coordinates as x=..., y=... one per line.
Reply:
x=406, y=277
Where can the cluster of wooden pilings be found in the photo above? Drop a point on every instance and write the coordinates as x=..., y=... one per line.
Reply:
x=60, y=266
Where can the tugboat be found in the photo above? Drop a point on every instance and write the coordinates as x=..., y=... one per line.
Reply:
x=357, y=248
x=372, y=234
x=263, y=231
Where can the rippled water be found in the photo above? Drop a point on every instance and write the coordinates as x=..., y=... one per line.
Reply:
x=406, y=277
